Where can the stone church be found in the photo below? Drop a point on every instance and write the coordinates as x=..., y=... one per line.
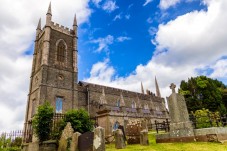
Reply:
x=54, y=78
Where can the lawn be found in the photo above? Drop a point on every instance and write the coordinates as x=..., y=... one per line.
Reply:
x=195, y=146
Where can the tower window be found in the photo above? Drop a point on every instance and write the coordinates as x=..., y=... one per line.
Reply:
x=33, y=107
x=59, y=102
x=61, y=52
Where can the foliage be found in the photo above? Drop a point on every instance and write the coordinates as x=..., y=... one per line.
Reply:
x=7, y=145
x=57, y=130
x=204, y=118
x=17, y=142
x=203, y=92
x=79, y=120
x=42, y=121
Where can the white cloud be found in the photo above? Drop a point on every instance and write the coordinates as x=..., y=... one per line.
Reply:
x=220, y=69
x=103, y=43
x=119, y=16
x=165, y=4
x=123, y=38
x=109, y=6
x=17, y=32
x=127, y=16
x=97, y=2
x=149, y=20
x=152, y=31
x=147, y=2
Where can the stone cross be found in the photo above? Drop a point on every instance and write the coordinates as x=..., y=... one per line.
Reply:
x=173, y=86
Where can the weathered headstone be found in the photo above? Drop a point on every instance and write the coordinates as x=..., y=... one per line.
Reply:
x=66, y=137
x=99, y=139
x=119, y=139
x=144, y=137
x=180, y=126
x=74, y=143
x=133, y=132
x=144, y=125
x=85, y=141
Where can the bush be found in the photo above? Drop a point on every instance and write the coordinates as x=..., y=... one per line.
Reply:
x=205, y=118
x=42, y=121
x=79, y=120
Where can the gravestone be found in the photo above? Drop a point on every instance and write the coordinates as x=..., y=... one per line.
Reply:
x=66, y=138
x=99, y=139
x=133, y=132
x=144, y=125
x=119, y=139
x=144, y=137
x=74, y=143
x=181, y=129
x=180, y=125
x=85, y=141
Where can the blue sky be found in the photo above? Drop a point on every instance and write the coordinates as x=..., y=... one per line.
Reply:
x=121, y=44
x=134, y=21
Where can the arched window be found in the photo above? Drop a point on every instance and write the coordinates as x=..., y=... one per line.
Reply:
x=133, y=105
x=61, y=52
x=118, y=103
x=59, y=102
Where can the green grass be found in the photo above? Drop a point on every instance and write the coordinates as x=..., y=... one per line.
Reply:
x=195, y=146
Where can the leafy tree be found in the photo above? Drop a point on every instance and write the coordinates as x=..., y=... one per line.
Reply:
x=203, y=92
x=79, y=120
x=42, y=121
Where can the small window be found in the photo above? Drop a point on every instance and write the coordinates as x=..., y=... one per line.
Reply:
x=118, y=103
x=59, y=102
x=33, y=107
x=116, y=125
x=61, y=52
x=133, y=104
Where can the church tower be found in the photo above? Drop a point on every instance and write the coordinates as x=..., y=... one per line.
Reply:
x=54, y=69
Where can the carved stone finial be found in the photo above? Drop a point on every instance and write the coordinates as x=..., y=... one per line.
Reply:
x=173, y=86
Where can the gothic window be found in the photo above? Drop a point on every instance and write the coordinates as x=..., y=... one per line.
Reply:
x=133, y=104
x=61, y=52
x=116, y=125
x=118, y=103
x=146, y=106
x=59, y=102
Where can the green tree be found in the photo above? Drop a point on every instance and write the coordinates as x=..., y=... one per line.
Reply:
x=203, y=92
x=42, y=121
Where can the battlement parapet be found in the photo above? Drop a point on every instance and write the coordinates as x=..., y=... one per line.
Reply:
x=61, y=28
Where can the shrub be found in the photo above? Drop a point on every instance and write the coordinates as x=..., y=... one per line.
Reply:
x=205, y=118
x=42, y=121
x=79, y=120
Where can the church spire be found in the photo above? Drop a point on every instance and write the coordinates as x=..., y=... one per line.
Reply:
x=157, y=88
x=49, y=10
x=75, y=21
x=48, y=15
x=39, y=25
x=142, y=90
x=75, y=25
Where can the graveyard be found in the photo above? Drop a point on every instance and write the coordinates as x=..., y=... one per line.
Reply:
x=153, y=146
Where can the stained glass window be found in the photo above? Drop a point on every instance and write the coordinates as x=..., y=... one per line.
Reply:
x=59, y=102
